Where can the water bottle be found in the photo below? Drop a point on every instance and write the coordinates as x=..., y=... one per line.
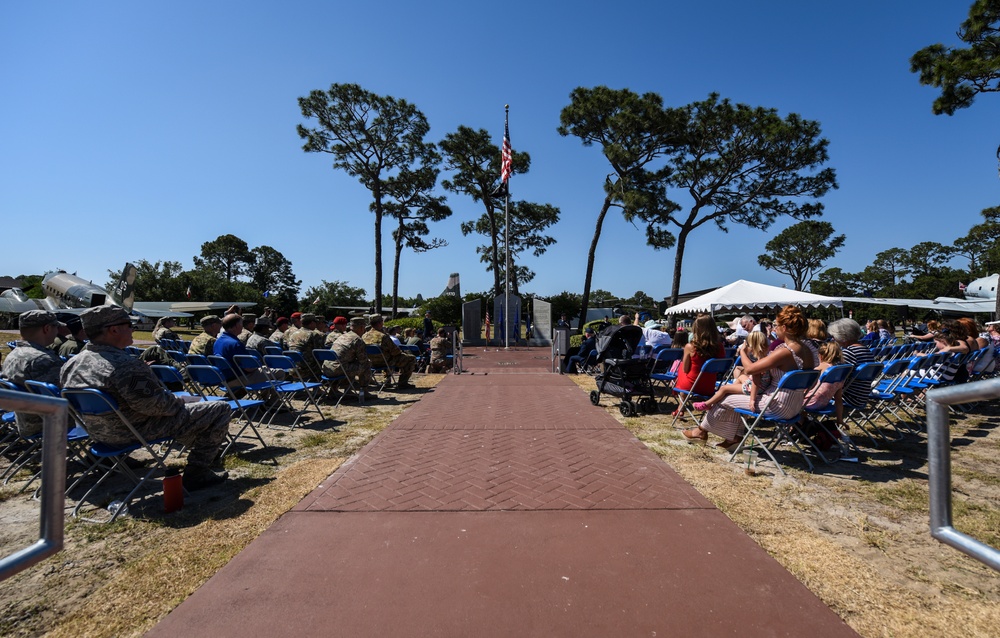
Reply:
x=114, y=506
x=173, y=490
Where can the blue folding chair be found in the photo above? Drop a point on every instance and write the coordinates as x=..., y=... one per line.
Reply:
x=211, y=378
x=90, y=402
x=294, y=383
x=661, y=377
x=379, y=365
x=718, y=367
x=794, y=381
x=323, y=355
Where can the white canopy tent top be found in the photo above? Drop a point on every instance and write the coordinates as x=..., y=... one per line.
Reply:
x=745, y=296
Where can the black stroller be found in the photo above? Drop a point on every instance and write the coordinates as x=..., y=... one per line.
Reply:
x=622, y=376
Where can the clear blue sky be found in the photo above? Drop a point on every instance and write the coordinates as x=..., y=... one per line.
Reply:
x=134, y=130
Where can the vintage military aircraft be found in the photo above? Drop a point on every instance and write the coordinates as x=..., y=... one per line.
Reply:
x=68, y=293
x=980, y=296
x=453, y=289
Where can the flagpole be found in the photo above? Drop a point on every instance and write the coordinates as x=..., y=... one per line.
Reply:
x=506, y=237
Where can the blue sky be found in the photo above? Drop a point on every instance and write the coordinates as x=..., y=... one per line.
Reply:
x=140, y=130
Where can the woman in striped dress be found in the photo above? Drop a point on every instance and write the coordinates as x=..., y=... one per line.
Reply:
x=795, y=353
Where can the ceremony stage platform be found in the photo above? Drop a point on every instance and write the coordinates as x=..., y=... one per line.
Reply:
x=503, y=504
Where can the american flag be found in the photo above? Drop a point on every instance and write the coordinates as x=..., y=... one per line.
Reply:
x=505, y=154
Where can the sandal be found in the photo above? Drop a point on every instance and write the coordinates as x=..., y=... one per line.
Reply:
x=695, y=435
x=701, y=406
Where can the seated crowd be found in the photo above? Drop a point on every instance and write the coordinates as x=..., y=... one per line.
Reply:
x=95, y=351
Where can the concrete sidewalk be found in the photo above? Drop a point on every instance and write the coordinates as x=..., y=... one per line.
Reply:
x=503, y=504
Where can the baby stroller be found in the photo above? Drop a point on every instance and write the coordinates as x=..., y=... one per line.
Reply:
x=622, y=376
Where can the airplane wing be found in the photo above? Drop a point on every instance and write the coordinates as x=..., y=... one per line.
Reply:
x=150, y=307
x=941, y=304
x=149, y=312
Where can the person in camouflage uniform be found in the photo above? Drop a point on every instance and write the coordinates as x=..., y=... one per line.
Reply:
x=74, y=343
x=338, y=329
x=259, y=341
x=249, y=321
x=440, y=349
x=352, y=360
x=278, y=336
x=204, y=343
x=305, y=340
x=143, y=400
x=163, y=330
x=32, y=360
x=391, y=353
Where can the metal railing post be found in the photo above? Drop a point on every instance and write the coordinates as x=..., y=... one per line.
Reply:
x=53, y=490
x=939, y=464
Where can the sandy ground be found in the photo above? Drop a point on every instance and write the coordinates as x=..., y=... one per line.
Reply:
x=856, y=534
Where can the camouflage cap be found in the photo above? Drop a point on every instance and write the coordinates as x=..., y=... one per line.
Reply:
x=358, y=321
x=373, y=319
x=248, y=317
x=308, y=316
x=37, y=319
x=100, y=317
x=263, y=322
x=208, y=320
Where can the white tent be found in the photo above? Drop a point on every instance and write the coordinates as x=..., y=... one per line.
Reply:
x=742, y=296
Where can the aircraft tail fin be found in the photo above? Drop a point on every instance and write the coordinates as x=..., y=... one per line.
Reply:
x=454, y=288
x=123, y=294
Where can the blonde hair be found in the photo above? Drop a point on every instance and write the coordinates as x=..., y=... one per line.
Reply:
x=757, y=344
x=830, y=352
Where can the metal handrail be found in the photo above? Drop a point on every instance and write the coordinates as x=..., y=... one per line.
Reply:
x=939, y=458
x=50, y=539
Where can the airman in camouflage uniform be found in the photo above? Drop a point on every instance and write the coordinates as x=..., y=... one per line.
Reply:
x=352, y=360
x=339, y=329
x=278, y=336
x=143, y=400
x=391, y=353
x=32, y=360
x=440, y=349
x=259, y=341
x=74, y=343
x=305, y=340
x=163, y=330
x=204, y=343
x=249, y=321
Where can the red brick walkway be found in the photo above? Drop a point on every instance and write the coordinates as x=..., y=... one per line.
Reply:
x=503, y=504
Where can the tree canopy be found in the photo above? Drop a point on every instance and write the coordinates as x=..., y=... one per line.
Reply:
x=371, y=137
x=964, y=73
x=800, y=250
x=633, y=132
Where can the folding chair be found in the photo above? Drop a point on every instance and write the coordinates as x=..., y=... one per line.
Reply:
x=375, y=354
x=833, y=374
x=297, y=384
x=322, y=355
x=266, y=390
x=272, y=350
x=717, y=367
x=27, y=448
x=796, y=380
x=865, y=375
x=92, y=402
x=210, y=377
x=415, y=351
x=196, y=359
x=76, y=435
x=661, y=376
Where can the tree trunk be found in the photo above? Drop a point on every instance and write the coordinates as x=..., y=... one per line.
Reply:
x=590, y=261
x=495, y=257
x=395, y=269
x=377, y=191
x=678, y=261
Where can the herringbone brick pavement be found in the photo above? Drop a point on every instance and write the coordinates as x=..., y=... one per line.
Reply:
x=505, y=470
